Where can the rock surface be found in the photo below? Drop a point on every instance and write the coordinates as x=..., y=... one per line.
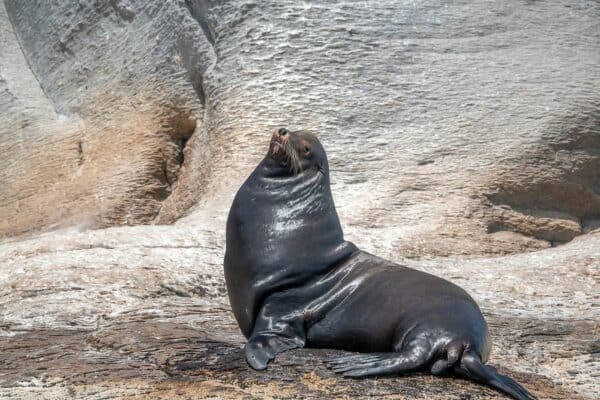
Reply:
x=142, y=311
x=464, y=140
x=99, y=113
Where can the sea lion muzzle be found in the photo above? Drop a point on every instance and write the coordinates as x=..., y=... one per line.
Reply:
x=277, y=149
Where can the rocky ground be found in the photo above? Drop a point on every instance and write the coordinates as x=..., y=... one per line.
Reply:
x=463, y=139
x=142, y=312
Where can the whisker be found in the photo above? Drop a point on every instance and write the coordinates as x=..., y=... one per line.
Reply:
x=295, y=165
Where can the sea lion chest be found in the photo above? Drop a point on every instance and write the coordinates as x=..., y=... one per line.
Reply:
x=280, y=233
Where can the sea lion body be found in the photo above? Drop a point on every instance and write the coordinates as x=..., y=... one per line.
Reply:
x=293, y=281
x=379, y=306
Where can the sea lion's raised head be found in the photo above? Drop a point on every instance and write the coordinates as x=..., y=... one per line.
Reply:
x=294, y=152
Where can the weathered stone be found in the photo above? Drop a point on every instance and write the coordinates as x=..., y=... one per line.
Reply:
x=142, y=311
x=464, y=140
x=97, y=129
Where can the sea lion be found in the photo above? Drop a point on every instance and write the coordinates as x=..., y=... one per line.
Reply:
x=293, y=281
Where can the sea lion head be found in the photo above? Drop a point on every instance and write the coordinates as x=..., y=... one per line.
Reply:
x=292, y=153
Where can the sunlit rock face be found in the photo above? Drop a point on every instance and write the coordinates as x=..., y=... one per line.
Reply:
x=463, y=139
x=441, y=120
x=104, y=101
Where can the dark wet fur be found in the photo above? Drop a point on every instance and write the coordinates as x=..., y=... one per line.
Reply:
x=471, y=367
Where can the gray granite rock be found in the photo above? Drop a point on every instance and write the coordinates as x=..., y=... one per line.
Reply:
x=132, y=112
x=142, y=312
x=464, y=140
x=122, y=90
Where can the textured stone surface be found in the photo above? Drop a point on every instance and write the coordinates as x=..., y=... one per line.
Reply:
x=134, y=111
x=463, y=138
x=142, y=311
x=97, y=128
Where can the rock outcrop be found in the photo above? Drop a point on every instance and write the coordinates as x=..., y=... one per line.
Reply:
x=104, y=100
x=464, y=139
x=142, y=312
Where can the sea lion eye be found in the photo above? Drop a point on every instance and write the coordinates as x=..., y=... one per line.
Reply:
x=306, y=149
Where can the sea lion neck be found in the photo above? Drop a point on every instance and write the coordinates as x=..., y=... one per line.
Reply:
x=280, y=187
x=278, y=169
x=302, y=200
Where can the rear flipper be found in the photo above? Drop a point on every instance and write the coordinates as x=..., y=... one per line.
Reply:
x=471, y=367
x=467, y=364
x=409, y=360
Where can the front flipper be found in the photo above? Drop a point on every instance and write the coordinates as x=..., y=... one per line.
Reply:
x=262, y=348
x=276, y=329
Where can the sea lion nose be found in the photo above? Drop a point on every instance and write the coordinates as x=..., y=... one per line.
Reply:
x=282, y=132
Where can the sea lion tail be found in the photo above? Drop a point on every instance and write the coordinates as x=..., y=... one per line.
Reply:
x=471, y=367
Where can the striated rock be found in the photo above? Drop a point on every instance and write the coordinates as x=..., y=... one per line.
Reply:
x=142, y=312
x=464, y=140
x=140, y=111
x=103, y=101
x=553, y=194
